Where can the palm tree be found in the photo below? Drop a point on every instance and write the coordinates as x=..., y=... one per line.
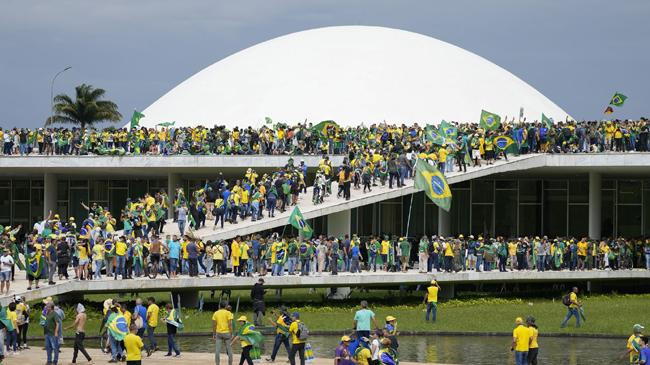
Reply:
x=86, y=110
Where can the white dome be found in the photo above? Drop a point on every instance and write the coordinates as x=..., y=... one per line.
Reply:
x=350, y=74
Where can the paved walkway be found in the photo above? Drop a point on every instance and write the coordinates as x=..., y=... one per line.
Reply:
x=36, y=355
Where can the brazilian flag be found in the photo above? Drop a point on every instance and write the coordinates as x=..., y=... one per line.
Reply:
x=506, y=144
x=166, y=124
x=618, y=99
x=434, y=184
x=6, y=321
x=448, y=131
x=321, y=128
x=489, y=120
x=248, y=333
x=117, y=326
x=298, y=221
x=135, y=119
x=34, y=265
x=548, y=122
x=433, y=135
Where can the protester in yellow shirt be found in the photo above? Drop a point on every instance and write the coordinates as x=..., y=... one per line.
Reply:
x=431, y=300
x=152, y=323
x=222, y=331
x=520, y=341
x=534, y=346
x=297, y=345
x=133, y=345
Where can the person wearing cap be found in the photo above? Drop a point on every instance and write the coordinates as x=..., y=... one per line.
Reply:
x=244, y=335
x=573, y=308
x=533, y=350
x=633, y=347
x=521, y=339
x=281, y=325
x=342, y=352
x=297, y=345
x=387, y=354
x=431, y=300
x=362, y=354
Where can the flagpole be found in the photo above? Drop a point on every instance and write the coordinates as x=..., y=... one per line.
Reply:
x=408, y=220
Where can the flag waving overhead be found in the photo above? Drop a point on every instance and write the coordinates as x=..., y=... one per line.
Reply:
x=449, y=131
x=297, y=221
x=548, y=123
x=135, y=119
x=434, y=184
x=489, y=120
x=506, y=144
x=323, y=126
x=433, y=135
x=618, y=99
x=166, y=124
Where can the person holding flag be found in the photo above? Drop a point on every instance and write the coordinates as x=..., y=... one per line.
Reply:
x=434, y=184
x=298, y=222
x=174, y=323
x=250, y=340
x=117, y=329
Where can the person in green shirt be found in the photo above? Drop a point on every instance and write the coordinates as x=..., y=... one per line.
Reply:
x=306, y=253
x=405, y=250
x=423, y=255
x=50, y=330
x=292, y=251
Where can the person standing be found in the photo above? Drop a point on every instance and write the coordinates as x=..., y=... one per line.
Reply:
x=222, y=331
x=50, y=330
x=257, y=295
x=422, y=254
x=431, y=299
x=181, y=218
x=362, y=319
x=281, y=325
x=297, y=340
x=140, y=317
x=152, y=323
x=172, y=327
x=574, y=307
x=533, y=350
x=22, y=310
x=133, y=345
x=80, y=333
x=6, y=263
x=633, y=346
x=520, y=342
x=245, y=330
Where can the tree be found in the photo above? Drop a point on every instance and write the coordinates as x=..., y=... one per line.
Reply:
x=87, y=108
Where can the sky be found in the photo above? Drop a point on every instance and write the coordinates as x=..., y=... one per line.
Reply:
x=576, y=52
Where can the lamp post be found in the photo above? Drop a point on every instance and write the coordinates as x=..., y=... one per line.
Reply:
x=52, y=91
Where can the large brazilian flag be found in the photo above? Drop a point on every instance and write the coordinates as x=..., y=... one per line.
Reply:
x=433, y=135
x=506, y=144
x=618, y=99
x=117, y=326
x=489, y=120
x=298, y=222
x=434, y=184
x=321, y=128
x=448, y=130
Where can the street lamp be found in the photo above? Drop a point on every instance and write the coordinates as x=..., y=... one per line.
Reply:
x=52, y=91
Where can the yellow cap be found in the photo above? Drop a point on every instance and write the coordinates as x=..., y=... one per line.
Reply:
x=47, y=300
x=433, y=281
x=390, y=318
x=242, y=318
x=519, y=320
x=345, y=339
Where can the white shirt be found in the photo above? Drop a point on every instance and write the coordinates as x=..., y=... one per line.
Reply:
x=375, y=345
x=6, y=261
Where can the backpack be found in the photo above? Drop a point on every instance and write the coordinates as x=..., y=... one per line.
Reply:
x=566, y=299
x=303, y=331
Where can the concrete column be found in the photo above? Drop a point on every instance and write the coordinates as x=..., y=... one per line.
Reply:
x=444, y=223
x=173, y=180
x=595, y=204
x=50, y=193
x=189, y=299
x=338, y=224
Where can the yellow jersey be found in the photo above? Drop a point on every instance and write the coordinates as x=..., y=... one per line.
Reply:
x=133, y=345
x=152, y=315
x=432, y=294
x=222, y=318
x=293, y=330
x=521, y=337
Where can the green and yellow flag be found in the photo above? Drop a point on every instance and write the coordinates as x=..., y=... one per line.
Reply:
x=448, y=131
x=166, y=124
x=432, y=134
x=618, y=99
x=135, y=119
x=323, y=126
x=548, y=123
x=297, y=221
x=506, y=144
x=434, y=184
x=489, y=120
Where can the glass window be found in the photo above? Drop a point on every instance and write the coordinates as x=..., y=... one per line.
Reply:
x=578, y=191
x=460, y=209
x=505, y=221
x=38, y=183
x=38, y=204
x=462, y=185
x=366, y=213
x=530, y=219
x=481, y=219
x=646, y=212
x=75, y=209
x=629, y=192
x=62, y=209
x=482, y=191
x=579, y=220
x=431, y=218
x=354, y=225
x=555, y=184
x=608, y=184
x=607, y=214
x=555, y=213
x=62, y=189
x=416, y=225
x=506, y=184
x=5, y=204
x=99, y=190
x=78, y=183
x=530, y=191
x=137, y=188
x=5, y=183
x=21, y=212
x=21, y=190
x=119, y=183
x=629, y=221
x=391, y=218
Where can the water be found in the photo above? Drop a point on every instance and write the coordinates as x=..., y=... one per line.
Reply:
x=478, y=350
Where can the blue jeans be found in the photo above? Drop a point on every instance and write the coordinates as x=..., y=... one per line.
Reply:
x=181, y=227
x=270, y=205
x=116, y=348
x=278, y=269
x=432, y=307
x=521, y=357
x=52, y=348
x=121, y=260
x=292, y=264
x=571, y=312
x=647, y=261
x=541, y=262
x=280, y=339
x=152, y=340
x=171, y=344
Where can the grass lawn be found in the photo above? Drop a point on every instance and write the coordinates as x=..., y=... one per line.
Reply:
x=606, y=314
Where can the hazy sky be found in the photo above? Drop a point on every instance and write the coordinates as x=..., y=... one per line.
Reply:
x=577, y=53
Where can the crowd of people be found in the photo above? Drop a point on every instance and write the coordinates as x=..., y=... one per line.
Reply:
x=326, y=137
